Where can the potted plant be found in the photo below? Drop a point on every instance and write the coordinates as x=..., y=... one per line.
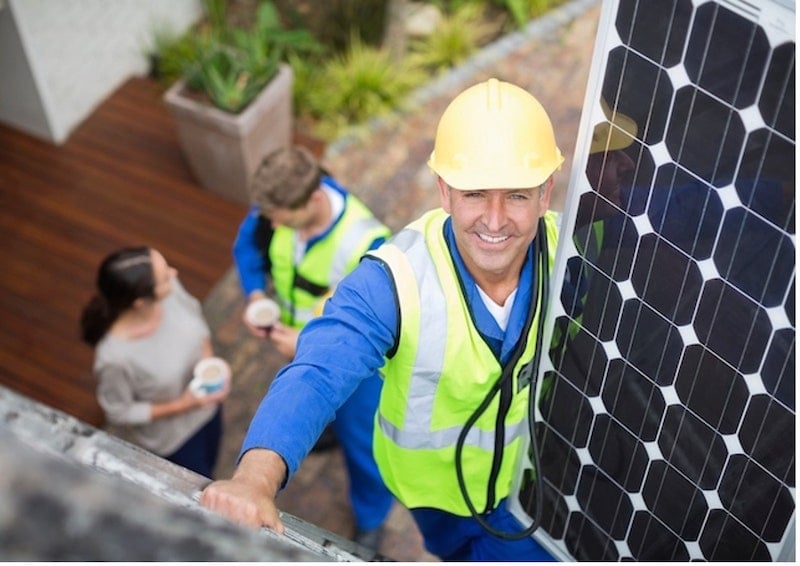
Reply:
x=232, y=102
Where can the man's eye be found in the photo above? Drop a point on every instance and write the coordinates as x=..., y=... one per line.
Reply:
x=518, y=196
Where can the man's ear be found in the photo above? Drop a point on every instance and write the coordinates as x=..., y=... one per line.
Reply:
x=444, y=194
x=316, y=196
x=546, y=193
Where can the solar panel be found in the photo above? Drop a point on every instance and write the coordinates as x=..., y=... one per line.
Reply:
x=666, y=406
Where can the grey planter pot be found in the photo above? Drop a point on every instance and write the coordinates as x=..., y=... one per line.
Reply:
x=222, y=149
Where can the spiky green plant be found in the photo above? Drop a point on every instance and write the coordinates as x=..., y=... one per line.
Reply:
x=457, y=36
x=362, y=83
x=232, y=65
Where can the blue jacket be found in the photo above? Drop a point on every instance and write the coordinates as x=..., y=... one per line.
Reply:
x=361, y=320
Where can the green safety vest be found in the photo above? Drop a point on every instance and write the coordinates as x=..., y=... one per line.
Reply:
x=299, y=288
x=439, y=374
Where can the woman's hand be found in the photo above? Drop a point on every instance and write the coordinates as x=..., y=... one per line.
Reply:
x=205, y=399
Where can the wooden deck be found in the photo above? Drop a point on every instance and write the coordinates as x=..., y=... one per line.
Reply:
x=119, y=180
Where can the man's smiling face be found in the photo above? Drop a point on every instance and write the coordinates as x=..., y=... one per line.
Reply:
x=493, y=228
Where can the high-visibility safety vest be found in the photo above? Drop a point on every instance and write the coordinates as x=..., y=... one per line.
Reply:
x=439, y=374
x=299, y=288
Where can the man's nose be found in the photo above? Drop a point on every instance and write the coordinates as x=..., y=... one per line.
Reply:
x=495, y=211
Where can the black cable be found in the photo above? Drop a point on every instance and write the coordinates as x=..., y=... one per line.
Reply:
x=543, y=292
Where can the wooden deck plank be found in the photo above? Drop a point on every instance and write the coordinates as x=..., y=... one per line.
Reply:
x=119, y=180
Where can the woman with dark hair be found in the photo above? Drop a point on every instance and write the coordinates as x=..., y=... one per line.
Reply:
x=148, y=333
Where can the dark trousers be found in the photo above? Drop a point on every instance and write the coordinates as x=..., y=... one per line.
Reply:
x=462, y=539
x=370, y=498
x=200, y=452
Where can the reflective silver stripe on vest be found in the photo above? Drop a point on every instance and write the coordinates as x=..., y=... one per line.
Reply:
x=349, y=242
x=417, y=431
x=448, y=437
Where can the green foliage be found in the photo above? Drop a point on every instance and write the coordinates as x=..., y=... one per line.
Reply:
x=458, y=36
x=169, y=53
x=362, y=83
x=522, y=11
x=450, y=6
x=231, y=65
x=344, y=17
x=216, y=11
x=306, y=72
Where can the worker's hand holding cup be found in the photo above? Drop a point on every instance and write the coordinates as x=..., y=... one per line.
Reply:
x=260, y=315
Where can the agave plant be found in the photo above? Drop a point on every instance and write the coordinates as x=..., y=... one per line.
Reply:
x=231, y=65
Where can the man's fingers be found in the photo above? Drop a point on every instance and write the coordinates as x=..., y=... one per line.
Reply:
x=240, y=508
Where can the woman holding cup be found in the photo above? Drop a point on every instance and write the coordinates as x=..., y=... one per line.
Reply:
x=149, y=333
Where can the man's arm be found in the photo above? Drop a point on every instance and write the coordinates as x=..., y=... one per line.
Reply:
x=360, y=319
x=248, y=256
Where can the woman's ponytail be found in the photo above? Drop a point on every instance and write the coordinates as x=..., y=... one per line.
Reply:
x=95, y=320
x=122, y=278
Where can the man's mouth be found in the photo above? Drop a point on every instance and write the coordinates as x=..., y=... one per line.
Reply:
x=492, y=239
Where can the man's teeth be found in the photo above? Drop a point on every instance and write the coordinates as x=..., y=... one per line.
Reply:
x=492, y=240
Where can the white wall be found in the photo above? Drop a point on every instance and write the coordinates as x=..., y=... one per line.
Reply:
x=59, y=59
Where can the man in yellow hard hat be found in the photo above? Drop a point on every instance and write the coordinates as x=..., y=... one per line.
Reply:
x=450, y=311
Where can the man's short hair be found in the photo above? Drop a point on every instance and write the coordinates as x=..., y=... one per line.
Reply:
x=285, y=178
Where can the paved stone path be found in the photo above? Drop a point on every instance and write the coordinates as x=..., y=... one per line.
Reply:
x=385, y=165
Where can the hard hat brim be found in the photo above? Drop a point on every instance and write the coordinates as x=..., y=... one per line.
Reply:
x=494, y=178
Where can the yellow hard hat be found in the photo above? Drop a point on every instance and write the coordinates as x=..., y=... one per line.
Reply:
x=495, y=135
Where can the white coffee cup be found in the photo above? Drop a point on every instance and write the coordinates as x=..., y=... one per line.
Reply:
x=263, y=313
x=210, y=375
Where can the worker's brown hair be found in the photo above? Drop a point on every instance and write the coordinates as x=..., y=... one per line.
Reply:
x=285, y=178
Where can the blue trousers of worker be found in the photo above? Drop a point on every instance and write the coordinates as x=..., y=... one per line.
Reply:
x=200, y=452
x=369, y=497
x=462, y=539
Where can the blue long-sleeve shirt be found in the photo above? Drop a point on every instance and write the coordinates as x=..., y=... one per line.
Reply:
x=248, y=257
x=348, y=343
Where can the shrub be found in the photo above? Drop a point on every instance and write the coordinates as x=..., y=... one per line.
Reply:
x=522, y=11
x=359, y=84
x=457, y=36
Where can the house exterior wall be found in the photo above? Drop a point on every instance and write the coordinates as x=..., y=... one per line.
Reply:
x=61, y=59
